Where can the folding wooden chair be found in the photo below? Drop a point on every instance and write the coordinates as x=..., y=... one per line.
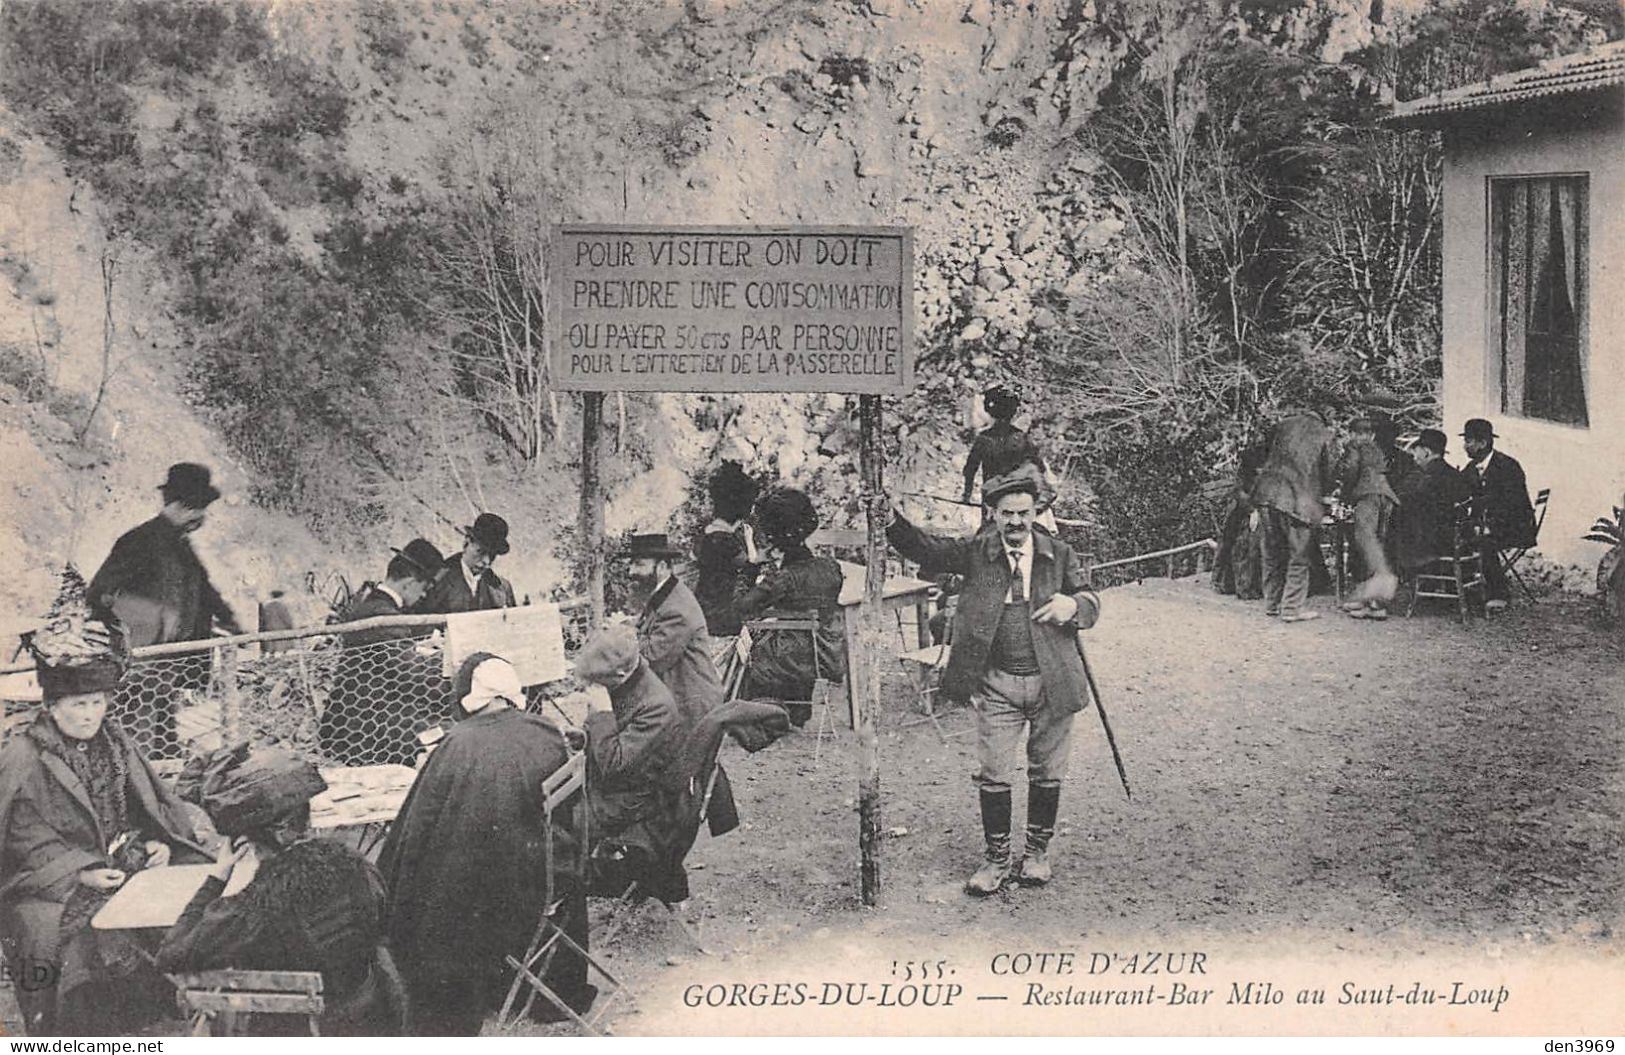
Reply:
x=567, y=783
x=730, y=655
x=634, y=896
x=1511, y=558
x=925, y=666
x=212, y=1000
x=1454, y=577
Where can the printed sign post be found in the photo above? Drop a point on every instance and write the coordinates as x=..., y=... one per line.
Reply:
x=731, y=309
x=636, y=308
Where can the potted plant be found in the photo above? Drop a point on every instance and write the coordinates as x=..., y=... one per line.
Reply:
x=1611, y=569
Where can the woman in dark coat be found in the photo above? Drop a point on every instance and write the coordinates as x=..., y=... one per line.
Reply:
x=312, y=905
x=782, y=661
x=464, y=861
x=724, y=553
x=80, y=809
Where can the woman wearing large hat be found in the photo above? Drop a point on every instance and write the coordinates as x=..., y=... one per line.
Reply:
x=782, y=664
x=80, y=811
x=726, y=549
x=312, y=904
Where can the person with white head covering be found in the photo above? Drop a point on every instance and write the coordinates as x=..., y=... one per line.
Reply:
x=463, y=861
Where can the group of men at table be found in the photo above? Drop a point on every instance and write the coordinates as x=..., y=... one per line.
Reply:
x=1402, y=510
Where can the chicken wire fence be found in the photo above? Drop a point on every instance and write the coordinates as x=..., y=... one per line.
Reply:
x=338, y=695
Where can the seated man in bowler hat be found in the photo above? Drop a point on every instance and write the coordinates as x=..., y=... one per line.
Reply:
x=672, y=633
x=411, y=572
x=467, y=583
x=1425, y=516
x=383, y=696
x=1497, y=480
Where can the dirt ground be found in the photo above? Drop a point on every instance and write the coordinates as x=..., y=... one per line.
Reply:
x=1356, y=793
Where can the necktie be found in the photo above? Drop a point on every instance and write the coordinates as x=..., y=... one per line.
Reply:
x=1018, y=588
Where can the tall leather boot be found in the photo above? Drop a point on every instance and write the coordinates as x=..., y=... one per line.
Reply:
x=1043, y=803
x=996, y=831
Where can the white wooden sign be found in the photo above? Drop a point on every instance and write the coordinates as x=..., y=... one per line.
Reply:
x=531, y=638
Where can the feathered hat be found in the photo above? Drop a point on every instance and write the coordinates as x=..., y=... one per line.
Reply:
x=77, y=650
x=786, y=514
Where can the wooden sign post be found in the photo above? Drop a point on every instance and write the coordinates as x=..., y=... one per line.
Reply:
x=638, y=308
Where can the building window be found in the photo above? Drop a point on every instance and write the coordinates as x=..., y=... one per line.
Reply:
x=1538, y=277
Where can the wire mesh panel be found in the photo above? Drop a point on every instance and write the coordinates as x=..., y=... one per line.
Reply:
x=339, y=697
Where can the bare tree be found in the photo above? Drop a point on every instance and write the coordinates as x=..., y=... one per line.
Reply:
x=491, y=286
x=109, y=329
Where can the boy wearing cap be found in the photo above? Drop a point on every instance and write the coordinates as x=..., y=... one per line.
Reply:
x=1001, y=447
x=1498, y=481
x=1363, y=484
x=632, y=745
x=467, y=583
x=1015, y=657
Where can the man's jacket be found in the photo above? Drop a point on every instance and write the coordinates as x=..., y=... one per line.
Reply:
x=672, y=637
x=1505, y=494
x=159, y=589
x=981, y=560
x=1297, y=474
x=1362, y=472
x=631, y=749
x=450, y=593
x=1424, y=523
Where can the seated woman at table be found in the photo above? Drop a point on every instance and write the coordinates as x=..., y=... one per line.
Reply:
x=782, y=661
x=312, y=904
x=80, y=811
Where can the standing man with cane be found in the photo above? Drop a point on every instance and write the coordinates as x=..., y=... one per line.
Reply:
x=1015, y=656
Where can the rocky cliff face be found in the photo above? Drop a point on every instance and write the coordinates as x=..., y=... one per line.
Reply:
x=953, y=117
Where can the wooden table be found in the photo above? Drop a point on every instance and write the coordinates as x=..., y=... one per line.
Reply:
x=364, y=797
x=156, y=897
x=899, y=592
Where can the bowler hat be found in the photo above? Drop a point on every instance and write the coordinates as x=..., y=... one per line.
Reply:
x=1023, y=479
x=423, y=555
x=491, y=532
x=1432, y=439
x=610, y=656
x=188, y=483
x=1477, y=429
x=650, y=545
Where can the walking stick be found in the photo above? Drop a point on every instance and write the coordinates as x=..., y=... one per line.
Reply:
x=939, y=498
x=1100, y=708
